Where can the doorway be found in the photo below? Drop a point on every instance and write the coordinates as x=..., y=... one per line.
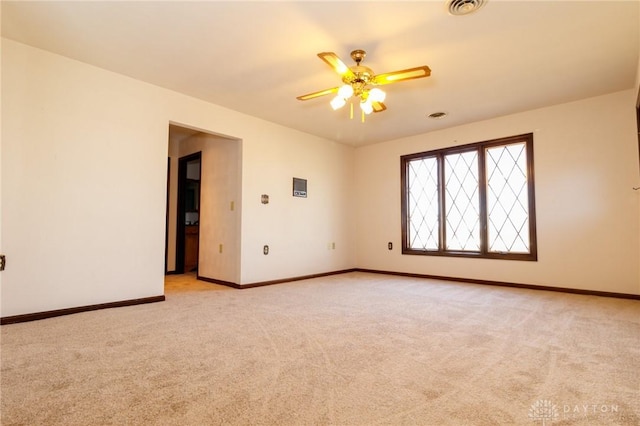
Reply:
x=188, y=222
x=203, y=226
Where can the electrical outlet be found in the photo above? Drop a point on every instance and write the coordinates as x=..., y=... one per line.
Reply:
x=390, y=245
x=233, y=206
x=333, y=246
x=265, y=250
x=220, y=248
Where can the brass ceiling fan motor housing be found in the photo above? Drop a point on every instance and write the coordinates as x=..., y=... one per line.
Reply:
x=360, y=78
x=361, y=75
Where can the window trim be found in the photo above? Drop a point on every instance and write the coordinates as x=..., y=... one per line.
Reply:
x=480, y=147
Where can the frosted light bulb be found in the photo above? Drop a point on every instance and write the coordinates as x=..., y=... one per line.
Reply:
x=366, y=106
x=337, y=102
x=376, y=95
x=345, y=91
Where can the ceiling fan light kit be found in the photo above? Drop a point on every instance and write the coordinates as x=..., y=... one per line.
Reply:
x=358, y=81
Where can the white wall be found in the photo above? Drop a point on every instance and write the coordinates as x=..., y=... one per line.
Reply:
x=637, y=181
x=1, y=249
x=586, y=163
x=297, y=230
x=84, y=155
x=220, y=208
x=80, y=185
x=172, y=209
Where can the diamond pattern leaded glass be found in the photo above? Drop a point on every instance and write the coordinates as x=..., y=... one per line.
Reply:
x=462, y=201
x=507, y=199
x=422, y=182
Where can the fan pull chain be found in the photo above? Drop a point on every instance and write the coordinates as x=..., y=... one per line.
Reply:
x=363, y=116
x=351, y=112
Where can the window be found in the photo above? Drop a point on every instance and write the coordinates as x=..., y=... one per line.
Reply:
x=474, y=200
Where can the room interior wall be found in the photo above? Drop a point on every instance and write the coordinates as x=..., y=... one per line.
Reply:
x=80, y=218
x=220, y=208
x=637, y=182
x=1, y=250
x=1, y=246
x=585, y=160
x=172, y=209
x=318, y=227
x=84, y=159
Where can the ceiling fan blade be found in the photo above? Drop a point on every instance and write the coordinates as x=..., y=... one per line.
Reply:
x=378, y=106
x=317, y=94
x=408, y=74
x=336, y=63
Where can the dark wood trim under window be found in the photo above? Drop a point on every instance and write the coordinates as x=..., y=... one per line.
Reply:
x=482, y=250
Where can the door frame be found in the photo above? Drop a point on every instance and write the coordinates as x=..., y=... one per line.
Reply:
x=166, y=228
x=180, y=225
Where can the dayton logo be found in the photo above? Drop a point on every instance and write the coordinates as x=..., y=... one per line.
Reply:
x=545, y=411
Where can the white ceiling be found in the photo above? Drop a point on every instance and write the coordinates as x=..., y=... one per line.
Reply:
x=256, y=57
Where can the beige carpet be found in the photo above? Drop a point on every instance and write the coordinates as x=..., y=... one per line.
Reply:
x=351, y=349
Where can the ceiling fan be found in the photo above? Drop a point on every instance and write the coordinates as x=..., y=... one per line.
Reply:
x=358, y=81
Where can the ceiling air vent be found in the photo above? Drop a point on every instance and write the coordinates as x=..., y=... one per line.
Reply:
x=437, y=115
x=464, y=7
